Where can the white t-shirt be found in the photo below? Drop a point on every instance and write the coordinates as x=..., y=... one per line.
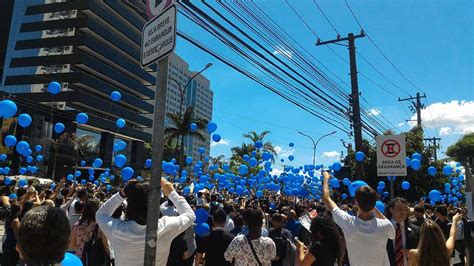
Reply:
x=366, y=240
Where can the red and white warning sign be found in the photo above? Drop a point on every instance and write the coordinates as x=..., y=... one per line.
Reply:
x=391, y=153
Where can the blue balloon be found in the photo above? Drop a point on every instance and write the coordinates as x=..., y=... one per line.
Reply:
x=239, y=190
x=216, y=137
x=22, y=182
x=432, y=171
x=22, y=147
x=211, y=127
x=359, y=156
x=461, y=178
x=186, y=190
x=29, y=159
x=8, y=109
x=355, y=185
x=82, y=118
x=38, y=148
x=334, y=183
x=33, y=169
x=24, y=120
x=344, y=196
x=10, y=141
x=259, y=194
x=193, y=127
x=83, y=181
x=12, y=196
x=201, y=215
x=148, y=163
x=6, y=170
x=189, y=160
x=405, y=185
x=258, y=144
x=22, y=170
x=39, y=158
x=120, y=145
x=416, y=156
x=291, y=144
x=28, y=152
x=168, y=168
x=77, y=173
x=336, y=166
x=381, y=184
x=7, y=181
x=70, y=177
x=111, y=177
x=415, y=164
x=108, y=187
x=291, y=157
x=3, y=157
x=385, y=194
x=120, y=123
x=380, y=206
x=90, y=171
x=127, y=173
x=201, y=150
x=83, y=163
x=120, y=160
x=448, y=170
x=391, y=178
x=253, y=162
x=54, y=87
x=407, y=161
x=243, y=169
x=202, y=229
x=115, y=96
x=97, y=163
x=182, y=179
x=434, y=195
x=59, y=128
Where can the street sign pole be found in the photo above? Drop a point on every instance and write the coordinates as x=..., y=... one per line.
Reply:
x=158, y=42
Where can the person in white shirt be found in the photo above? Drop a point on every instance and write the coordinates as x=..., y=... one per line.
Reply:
x=168, y=209
x=366, y=234
x=81, y=196
x=127, y=237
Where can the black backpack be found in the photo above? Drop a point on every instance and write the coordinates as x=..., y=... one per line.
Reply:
x=94, y=252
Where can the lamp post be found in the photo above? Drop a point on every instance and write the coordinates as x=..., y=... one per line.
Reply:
x=315, y=144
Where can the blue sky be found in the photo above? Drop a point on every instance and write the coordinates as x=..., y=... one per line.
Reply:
x=429, y=41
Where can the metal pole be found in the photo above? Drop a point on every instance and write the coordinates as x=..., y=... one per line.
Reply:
x=154, y=196
x=314, y=146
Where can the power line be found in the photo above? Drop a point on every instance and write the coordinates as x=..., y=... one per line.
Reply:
x=327, y=19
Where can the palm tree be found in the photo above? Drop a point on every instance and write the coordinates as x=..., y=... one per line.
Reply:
x=180, y=129
x=267, y=146
x=239, y=152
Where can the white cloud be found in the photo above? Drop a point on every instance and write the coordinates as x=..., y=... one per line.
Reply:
x=276, y=172
x=400, y=124
x=374, y=112
x=223, y=142
x=331, y=154
x=283, y=52
x=445, y=131
x=458, y=116
x=282, y=152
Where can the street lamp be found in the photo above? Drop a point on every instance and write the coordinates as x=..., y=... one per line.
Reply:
x=315, y=144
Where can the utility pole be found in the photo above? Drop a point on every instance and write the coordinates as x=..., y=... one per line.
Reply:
x=354, y=96
x=416, y=106
x=435, y=142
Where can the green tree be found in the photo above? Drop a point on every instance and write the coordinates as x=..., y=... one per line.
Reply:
x=179, y=129
x=463, y=150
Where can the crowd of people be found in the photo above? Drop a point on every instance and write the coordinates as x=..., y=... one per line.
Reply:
x=108, y=226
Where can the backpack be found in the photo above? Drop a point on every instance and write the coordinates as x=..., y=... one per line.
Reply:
x=94, y=252
x=290, y=255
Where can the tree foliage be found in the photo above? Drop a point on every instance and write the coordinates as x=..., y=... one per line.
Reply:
x=463, y=150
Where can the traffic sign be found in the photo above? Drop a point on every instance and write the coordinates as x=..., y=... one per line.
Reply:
x=391, y=153
x=156, y=7
x=159, y=37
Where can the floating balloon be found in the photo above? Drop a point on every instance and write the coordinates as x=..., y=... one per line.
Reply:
x=334, y=183
x=186, y=190
x=253, y=162
x=291, y=157
x=82, y=118
x=415, y=164
x=216, y=137
x=77, y=173
x=22, y=182
x=416, y=156
x=201, y=215
x=3, y=157
x=434, y=195
x=336, y=166
x=355, y=185
x=83, y=163
x=59, y=128
x=54, y=87
x=380, y=206
x=258, y=144
x=344, y=196
x=120, y=123
x=447, y=170
x=381, y=184
x=291, y=144
x=259, y=194
x=407, y=161
x=359, y=156
x=7, y=181
x=189, y=160
x=120, y=160
x=432, y=171
x=29, y=159
x=97, y=163
x=70, y=177
x=12, y=196
x=10, y=141
x=193, y=127
x=115, y=96
x=211, y=127
x=201, y=150
x=8, y=109
x=202, y=229
x=83, y=181
x=24, y=120
x=22, y=170
x=6, y=170
x=405, y=185
x=148, y=163
x=108, y=187
x=127, y=173
x=121, y=145
x=385, y=194
x=243, y=169
x=22, y=147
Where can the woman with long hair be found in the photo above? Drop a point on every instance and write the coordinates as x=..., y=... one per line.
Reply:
x=326, y=244
x=433, y=248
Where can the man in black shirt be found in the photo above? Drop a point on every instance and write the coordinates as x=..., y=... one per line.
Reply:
x=419, y=217
x=279, y=235
x=216, y=243
x=441, y=214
